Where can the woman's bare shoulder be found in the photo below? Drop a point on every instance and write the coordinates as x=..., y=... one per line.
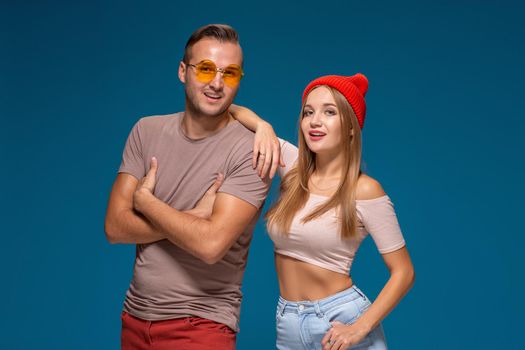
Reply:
x=368, y=188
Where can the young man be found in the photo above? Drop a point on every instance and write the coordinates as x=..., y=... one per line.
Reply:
x=185, y=292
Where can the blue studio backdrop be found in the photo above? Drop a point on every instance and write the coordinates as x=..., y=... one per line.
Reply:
x=443, y=135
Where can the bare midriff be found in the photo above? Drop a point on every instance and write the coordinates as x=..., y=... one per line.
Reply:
x=300, y=280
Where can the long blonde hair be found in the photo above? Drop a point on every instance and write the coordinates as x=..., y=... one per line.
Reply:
x=294, y=185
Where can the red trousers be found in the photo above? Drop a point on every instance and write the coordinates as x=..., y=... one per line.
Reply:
x=188, y=333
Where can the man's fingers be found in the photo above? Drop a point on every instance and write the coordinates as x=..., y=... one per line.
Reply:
x=153, y=165
x=149, y=179
x=217, y=184
x=152, y=168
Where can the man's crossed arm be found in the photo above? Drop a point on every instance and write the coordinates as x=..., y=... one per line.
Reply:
x=135, y=215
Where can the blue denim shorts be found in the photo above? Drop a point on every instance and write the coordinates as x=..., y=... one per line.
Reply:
x=303, y=324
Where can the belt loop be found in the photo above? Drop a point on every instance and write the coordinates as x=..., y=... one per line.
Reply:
x=318, y=311
x=281, y=311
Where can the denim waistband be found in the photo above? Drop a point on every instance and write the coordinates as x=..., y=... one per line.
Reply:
x=319, y=306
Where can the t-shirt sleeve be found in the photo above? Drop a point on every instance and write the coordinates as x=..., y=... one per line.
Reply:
x=242, y=181
x=379, y=219
x=289, y=154
x=132, y=157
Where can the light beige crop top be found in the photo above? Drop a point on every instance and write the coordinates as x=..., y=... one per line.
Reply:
x=318, y=241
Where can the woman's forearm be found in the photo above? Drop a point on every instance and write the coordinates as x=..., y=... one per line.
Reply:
x=266, y=146
x=246, y=117
x=394, y=290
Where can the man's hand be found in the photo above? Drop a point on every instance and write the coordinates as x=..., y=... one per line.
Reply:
x=204, y=207
x=146, y=186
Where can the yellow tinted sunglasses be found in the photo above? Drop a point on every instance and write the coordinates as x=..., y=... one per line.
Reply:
x=206, y=70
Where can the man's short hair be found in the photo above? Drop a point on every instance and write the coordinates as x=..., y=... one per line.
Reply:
x=220, y=32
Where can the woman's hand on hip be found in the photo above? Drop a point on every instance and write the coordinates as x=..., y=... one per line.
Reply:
x=342, y=336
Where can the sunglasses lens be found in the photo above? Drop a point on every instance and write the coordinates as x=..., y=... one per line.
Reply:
x=232, y=75
x=206, y=71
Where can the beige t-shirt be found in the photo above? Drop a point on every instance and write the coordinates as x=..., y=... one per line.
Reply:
x=167, y=281
x=318, y=242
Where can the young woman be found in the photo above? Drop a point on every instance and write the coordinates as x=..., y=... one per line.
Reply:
x=327, y=206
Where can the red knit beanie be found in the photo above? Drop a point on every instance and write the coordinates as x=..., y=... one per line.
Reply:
x=353, y=89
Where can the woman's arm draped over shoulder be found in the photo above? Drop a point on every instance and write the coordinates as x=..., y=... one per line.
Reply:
x=266, y=147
